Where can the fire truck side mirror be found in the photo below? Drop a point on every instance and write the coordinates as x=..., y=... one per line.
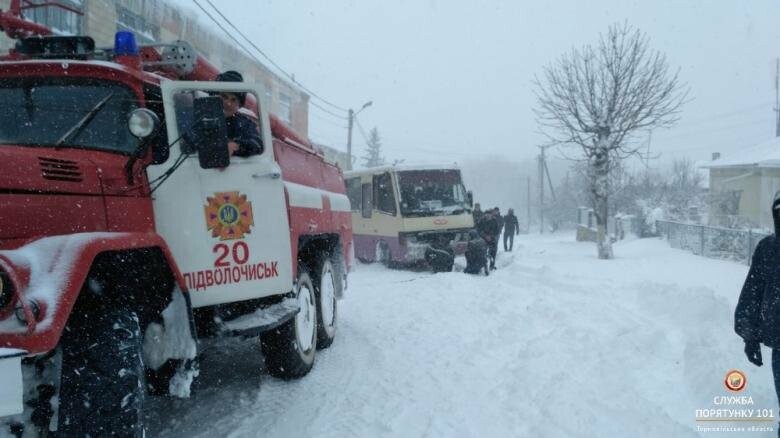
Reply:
x=209, y=133
x=470, y=198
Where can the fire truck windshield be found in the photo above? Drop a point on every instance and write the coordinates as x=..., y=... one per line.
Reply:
x=56, y=112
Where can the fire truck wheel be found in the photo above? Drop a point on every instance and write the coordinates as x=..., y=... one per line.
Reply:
x=158, y=381
x=102, y=380
x=326, y=283
x=289, y=349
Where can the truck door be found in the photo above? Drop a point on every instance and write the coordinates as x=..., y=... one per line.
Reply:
x=227, y=228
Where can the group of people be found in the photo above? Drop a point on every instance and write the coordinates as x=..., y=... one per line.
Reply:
x=483, y=240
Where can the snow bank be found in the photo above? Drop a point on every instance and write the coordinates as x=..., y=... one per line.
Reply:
x=172, y=340
x=554, y=343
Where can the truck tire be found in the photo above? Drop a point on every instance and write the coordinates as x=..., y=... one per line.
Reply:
x=290, y=348
x=158, y=381
x=102, y=380
x=326, y=283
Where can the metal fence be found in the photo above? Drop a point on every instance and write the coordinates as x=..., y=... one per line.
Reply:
x=714, y=242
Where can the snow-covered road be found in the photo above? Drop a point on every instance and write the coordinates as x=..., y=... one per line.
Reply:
x=554, y=343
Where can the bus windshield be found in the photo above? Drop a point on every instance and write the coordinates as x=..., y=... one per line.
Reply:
x=66, y=112
x=431, y=192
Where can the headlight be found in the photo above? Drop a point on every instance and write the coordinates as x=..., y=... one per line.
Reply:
x=6, y=289
x=143, y=122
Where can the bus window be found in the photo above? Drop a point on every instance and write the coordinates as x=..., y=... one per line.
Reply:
x=354, y=194
x=367, y=205
x=383, y=193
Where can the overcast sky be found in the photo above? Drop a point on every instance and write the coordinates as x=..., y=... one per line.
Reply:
x=452, y=79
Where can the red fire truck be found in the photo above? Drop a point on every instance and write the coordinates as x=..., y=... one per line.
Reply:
x=127, y=231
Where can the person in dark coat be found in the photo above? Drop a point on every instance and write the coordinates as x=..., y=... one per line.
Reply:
x=243, y=136
x=489, y=230
x=477, y=213
x=511, y=227
x=476, y=254
x=757, y=316
x=500, y=221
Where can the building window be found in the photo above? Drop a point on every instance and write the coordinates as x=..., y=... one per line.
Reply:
x=127, y=20
x=60, y=21
x=285, y=108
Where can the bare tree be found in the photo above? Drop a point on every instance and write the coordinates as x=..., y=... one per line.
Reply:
x=600, y=98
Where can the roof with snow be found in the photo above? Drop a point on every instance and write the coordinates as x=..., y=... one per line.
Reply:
x=766, y=154
x=402, y=167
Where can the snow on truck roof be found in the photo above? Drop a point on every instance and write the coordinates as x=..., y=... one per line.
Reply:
x=401, y=168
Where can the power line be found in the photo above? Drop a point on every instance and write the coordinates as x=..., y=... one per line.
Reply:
x=292, y=78
x=327, y=111
x=744, y=110
x=328, y=121
x=706, y=131
x=315, y=105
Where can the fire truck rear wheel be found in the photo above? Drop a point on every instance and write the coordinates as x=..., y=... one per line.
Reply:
x=102, y=380
x=290, y=348
x=327, y=282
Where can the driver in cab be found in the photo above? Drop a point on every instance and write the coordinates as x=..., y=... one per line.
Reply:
x=243, y=137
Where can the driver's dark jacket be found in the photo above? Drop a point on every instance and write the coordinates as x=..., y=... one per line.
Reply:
x=243, y=131
x=758, y=310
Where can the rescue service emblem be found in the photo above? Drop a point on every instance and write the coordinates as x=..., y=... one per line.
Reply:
x=735, y=380
x=228, y=215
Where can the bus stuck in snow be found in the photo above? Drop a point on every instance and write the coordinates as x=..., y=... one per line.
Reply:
x=409, y=215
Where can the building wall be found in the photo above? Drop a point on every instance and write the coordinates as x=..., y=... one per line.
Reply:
x=747, y=181
x=157, y=21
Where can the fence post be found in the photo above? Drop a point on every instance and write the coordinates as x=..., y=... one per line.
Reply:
x=701, y=239
x=749, y=246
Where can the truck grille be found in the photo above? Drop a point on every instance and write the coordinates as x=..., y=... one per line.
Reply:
x=60, y=170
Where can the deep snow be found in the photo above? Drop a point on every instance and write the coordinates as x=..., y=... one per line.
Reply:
x=554, y=343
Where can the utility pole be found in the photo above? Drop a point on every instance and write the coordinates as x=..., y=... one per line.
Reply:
x=542, y=171
x=349, y=139
x=350, y=121
x=777, y=98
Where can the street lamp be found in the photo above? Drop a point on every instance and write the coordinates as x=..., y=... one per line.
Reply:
x=352, y=115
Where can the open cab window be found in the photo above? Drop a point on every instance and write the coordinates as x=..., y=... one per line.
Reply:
x=216, y=122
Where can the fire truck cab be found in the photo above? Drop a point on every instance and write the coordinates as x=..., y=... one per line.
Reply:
x=127, y=231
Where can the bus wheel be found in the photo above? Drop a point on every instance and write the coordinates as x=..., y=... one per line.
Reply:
x=289, y=349
x=383, y=254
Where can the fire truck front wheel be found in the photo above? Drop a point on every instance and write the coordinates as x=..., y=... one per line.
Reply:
x=326, y=284
x=102, y=380
x=290, y=348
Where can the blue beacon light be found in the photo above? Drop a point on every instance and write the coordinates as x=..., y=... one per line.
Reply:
x=124, y=44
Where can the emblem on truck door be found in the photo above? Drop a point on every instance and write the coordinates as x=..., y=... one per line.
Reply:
x=228, y=215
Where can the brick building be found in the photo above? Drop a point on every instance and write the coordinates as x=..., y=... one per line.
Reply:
x=158, y=21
